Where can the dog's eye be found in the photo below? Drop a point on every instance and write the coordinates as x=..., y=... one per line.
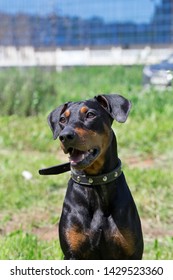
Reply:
x=90, y=115
x=62, y=120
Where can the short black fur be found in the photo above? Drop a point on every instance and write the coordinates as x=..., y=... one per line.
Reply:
x=98, y=222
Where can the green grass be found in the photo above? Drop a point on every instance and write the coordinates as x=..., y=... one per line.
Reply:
x=34, y=91
x=21, y=245
x=30, y=209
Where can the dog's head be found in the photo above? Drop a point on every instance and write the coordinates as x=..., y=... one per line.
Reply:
x=84, y=128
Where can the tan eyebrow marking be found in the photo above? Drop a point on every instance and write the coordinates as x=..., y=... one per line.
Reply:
x=84, y=109
x=67, y=113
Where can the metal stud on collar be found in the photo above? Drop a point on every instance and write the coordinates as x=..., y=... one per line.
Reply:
x=116, y=174
x=78, y=178
x=105, y=178
x=90, y=180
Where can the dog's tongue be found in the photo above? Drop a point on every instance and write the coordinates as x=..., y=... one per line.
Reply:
x=76, y=156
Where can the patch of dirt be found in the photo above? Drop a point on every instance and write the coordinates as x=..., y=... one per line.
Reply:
x=47, y=233
x=139, y=163
x=152, y=231
x=161, y=161
x=36, y=222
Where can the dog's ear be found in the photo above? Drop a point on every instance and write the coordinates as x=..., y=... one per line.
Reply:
x=53, y=119
x=116, y=105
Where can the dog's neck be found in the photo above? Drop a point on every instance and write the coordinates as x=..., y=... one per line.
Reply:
x=111, y=156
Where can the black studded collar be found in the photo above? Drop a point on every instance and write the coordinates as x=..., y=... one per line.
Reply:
x=106, y=178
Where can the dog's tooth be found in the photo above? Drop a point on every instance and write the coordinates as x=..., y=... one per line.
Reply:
x=91, y=150
x=83, y=156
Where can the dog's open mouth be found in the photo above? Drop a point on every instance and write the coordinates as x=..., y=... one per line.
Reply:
x=81, y=159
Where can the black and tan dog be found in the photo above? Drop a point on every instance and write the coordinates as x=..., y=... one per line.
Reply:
x=99, y=218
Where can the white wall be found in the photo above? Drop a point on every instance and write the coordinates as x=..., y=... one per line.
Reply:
x=28, y=56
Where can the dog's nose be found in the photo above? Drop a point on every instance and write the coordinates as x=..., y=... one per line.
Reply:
x=67, y=135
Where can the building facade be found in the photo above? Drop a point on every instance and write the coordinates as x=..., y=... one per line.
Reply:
x=60, y=28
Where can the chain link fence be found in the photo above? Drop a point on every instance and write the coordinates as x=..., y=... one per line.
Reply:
x=78, y=24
